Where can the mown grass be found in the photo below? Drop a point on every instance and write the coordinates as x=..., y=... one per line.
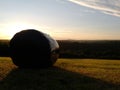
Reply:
x=67, y=74
x=106, y=70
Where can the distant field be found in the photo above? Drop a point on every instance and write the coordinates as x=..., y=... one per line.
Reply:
x=104, y=49
x=67, y=74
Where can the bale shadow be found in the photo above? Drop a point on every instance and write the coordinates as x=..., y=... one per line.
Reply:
x=53, y=78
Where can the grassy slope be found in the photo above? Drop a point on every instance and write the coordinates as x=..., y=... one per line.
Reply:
x=68, y=74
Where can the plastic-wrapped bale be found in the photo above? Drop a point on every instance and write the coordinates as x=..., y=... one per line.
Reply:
x=33, y=49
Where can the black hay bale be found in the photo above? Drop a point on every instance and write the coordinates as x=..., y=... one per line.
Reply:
x=33, y=49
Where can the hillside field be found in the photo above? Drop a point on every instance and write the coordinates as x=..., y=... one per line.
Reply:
x=66, y=74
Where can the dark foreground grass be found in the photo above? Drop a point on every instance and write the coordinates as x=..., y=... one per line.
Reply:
x=66, y=74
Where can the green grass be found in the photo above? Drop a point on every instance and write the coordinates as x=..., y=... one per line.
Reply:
x=67, y=74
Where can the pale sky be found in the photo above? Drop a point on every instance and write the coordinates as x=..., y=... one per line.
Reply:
x=62, y=19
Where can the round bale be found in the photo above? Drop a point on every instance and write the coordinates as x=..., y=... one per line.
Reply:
x=33, y=49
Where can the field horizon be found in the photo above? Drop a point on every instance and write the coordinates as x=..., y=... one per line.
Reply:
x=97, y=49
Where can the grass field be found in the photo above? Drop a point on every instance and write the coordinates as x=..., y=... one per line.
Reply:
x=67, y=74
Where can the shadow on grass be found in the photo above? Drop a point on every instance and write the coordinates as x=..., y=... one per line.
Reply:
x=53, y=78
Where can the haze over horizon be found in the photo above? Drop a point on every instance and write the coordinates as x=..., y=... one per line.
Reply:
x=62, y=19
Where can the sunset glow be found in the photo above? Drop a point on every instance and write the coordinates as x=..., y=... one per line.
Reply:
x=62, y=19
x=11, y=28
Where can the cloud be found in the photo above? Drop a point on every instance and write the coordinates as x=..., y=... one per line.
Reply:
x=111, y=7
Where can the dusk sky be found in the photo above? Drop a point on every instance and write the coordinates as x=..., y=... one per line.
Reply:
x=62, y=19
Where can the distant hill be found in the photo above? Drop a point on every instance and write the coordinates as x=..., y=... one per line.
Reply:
x=4, y=48
x=102, y=49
